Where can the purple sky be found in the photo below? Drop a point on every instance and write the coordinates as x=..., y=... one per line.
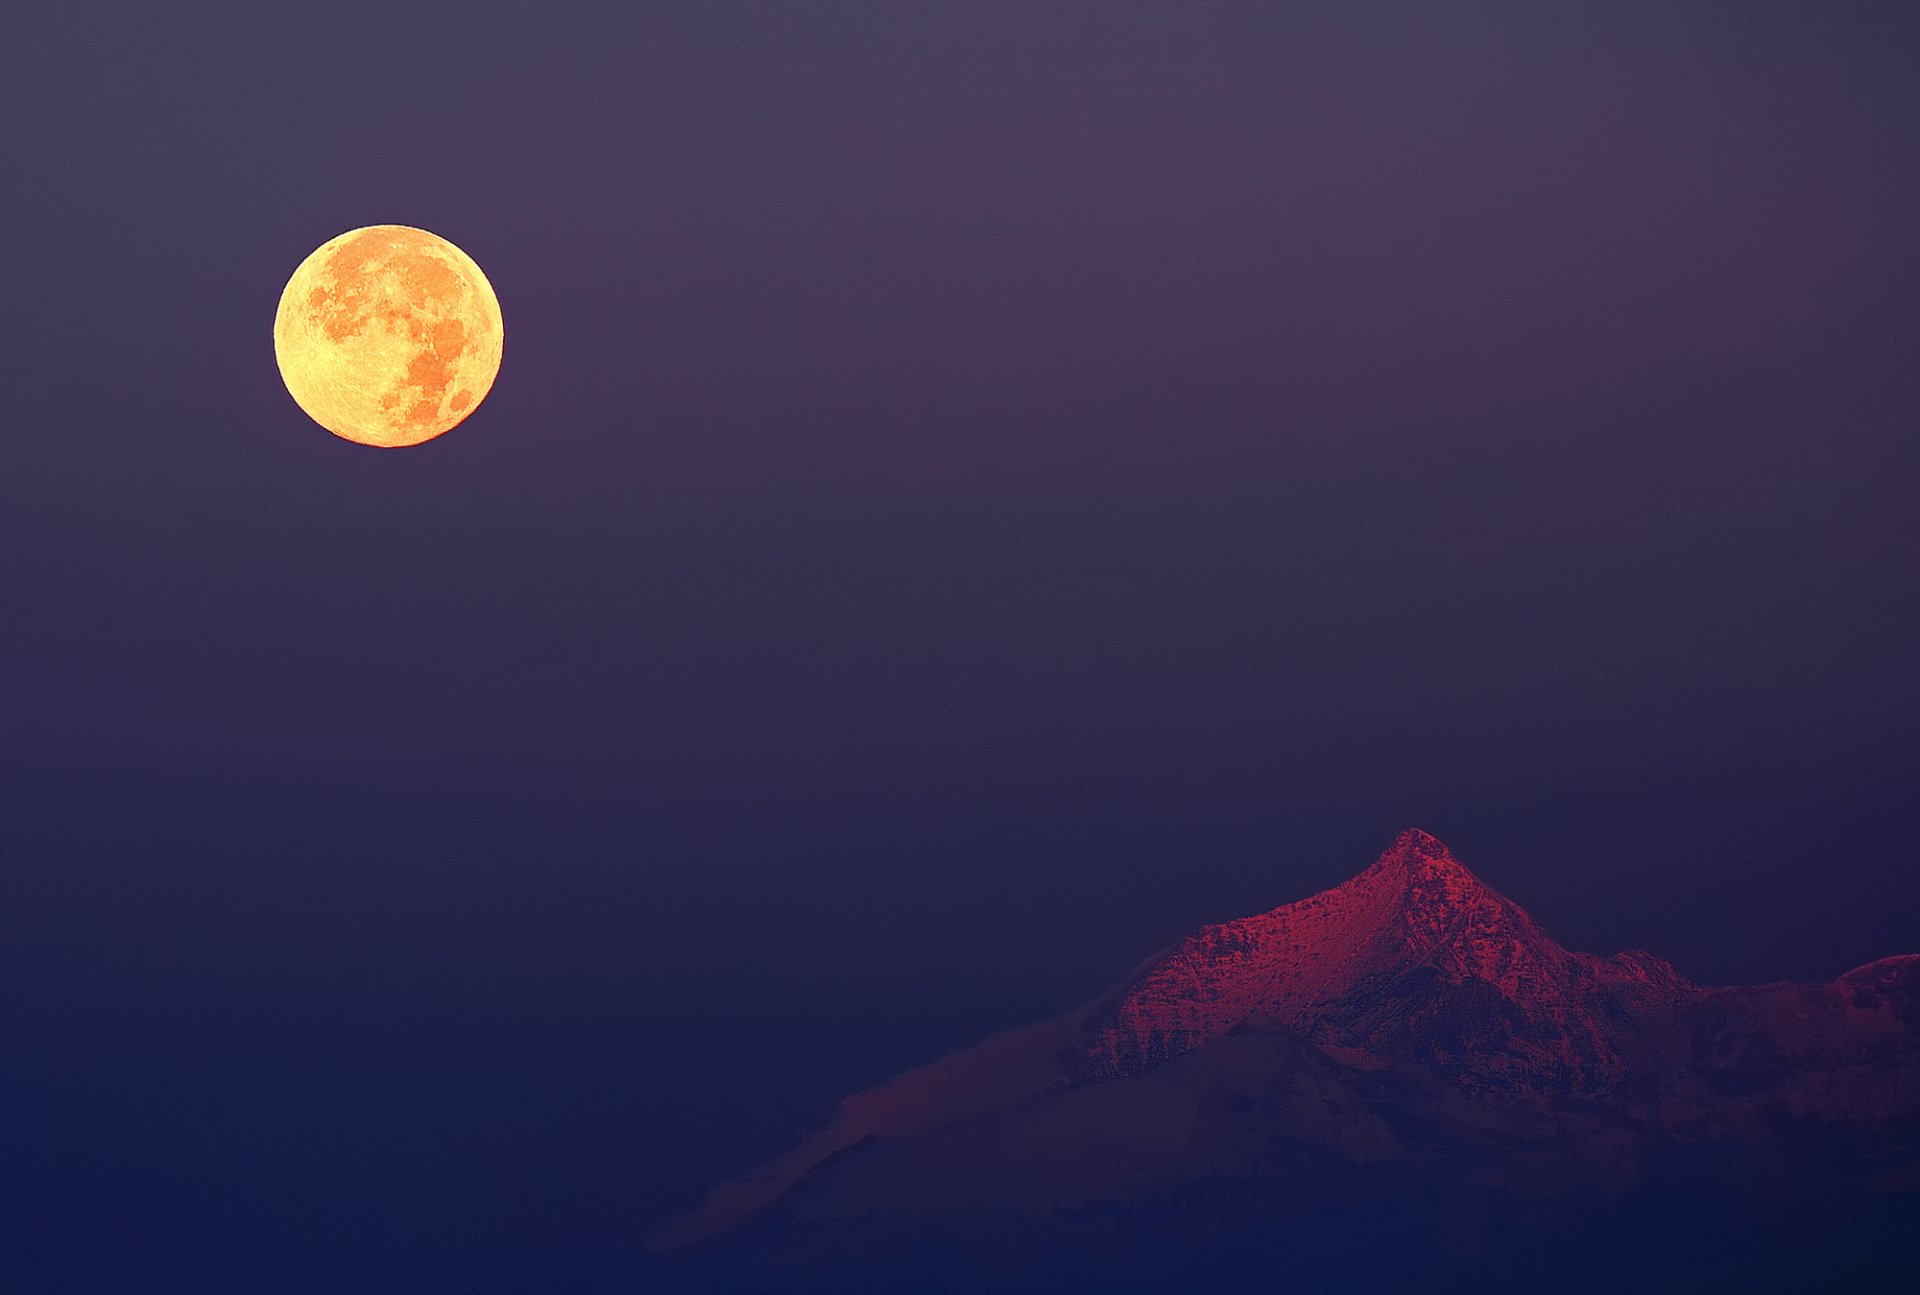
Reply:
x=973, y=491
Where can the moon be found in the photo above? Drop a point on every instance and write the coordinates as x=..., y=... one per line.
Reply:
x=388, y=335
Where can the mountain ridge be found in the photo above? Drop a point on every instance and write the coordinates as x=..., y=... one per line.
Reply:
x=1326, y=963
x=1410, y=1018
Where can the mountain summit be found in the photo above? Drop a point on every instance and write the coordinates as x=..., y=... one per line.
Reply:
x=1415, y=955
x=1410, y=1031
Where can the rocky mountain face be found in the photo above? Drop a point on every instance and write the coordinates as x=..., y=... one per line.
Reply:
x=1408, y=1042
x=1414, y=958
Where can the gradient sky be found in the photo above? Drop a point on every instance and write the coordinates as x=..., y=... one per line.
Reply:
x=974, y=490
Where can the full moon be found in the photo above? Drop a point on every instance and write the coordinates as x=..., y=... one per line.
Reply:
x=388, y=335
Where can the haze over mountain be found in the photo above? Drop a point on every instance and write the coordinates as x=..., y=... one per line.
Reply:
x=1407, y=1046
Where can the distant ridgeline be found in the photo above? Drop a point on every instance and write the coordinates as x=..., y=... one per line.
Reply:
x=1402, y=1079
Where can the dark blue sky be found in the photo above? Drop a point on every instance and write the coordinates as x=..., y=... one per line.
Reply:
x=973, y=491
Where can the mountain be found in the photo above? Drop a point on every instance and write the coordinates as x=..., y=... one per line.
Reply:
x=1359, y=970
x=1409, y=1047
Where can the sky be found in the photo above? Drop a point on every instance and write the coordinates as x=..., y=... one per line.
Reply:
x=974, y=490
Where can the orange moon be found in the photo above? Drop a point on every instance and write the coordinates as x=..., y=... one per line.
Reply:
x=388, y=335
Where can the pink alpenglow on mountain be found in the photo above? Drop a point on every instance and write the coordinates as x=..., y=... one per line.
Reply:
x=1411, y=1021
x=1356, y=969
